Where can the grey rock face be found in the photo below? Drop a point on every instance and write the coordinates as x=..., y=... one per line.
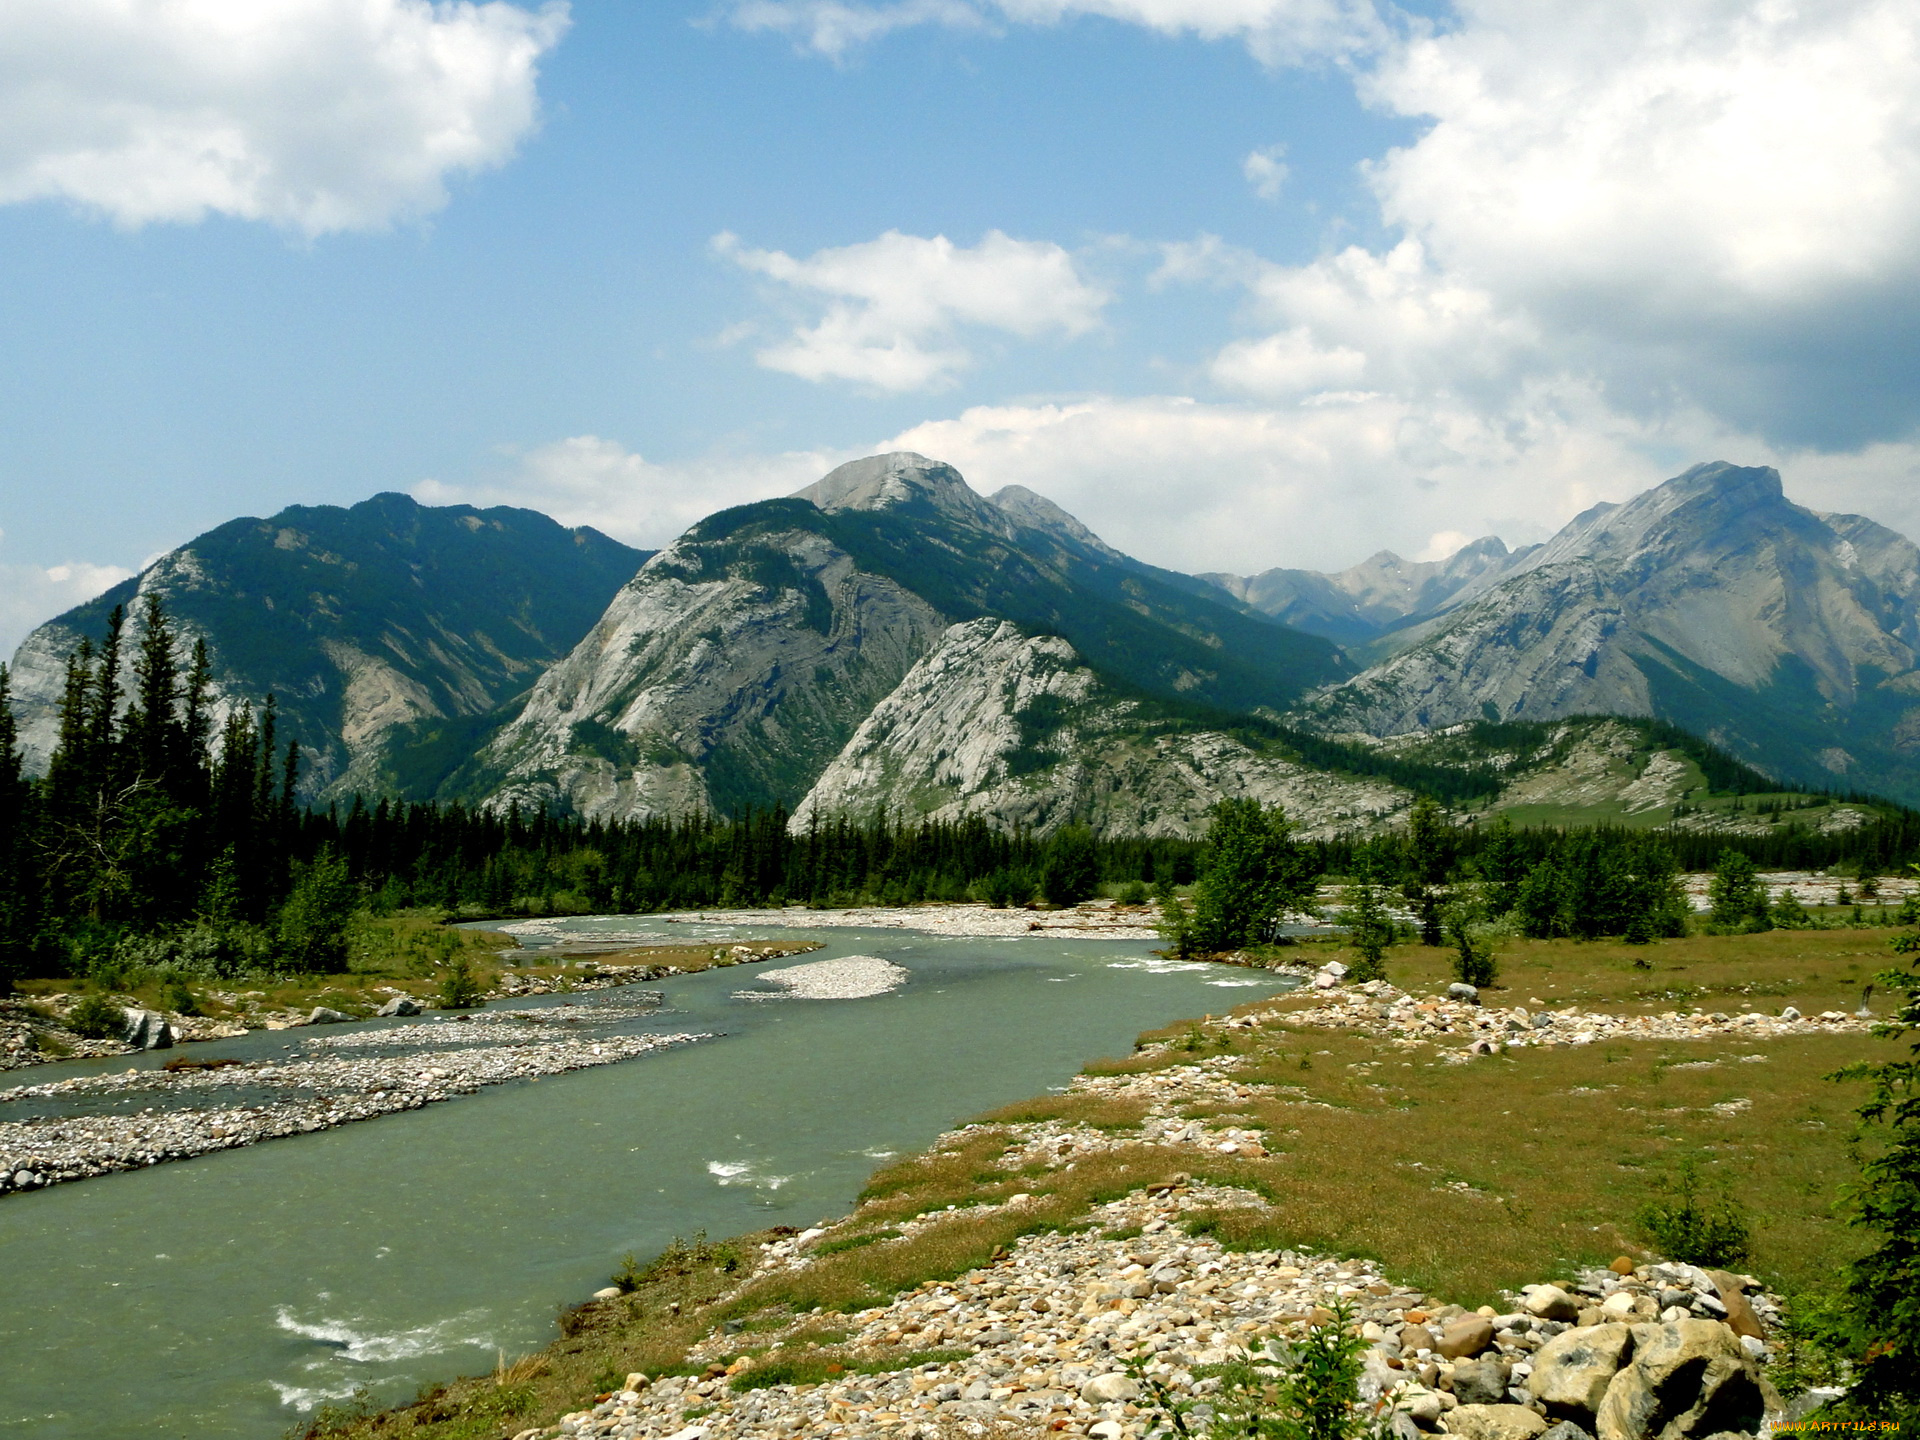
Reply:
x=400, y=1005
x=148, y=1030
x=1796, y=634
x=997, y=723
x=757, y=660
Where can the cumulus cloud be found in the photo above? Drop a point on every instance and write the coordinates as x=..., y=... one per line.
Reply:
x=1715, y=198
x=314, y=115
x=895, y=308
x=30, y=595
x=1276, y=31
x=591, y=480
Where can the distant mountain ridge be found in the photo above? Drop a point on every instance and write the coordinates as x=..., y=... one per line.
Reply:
x=1786, y=636
x=379, y=628
x=887, y=641
x=1365, y=601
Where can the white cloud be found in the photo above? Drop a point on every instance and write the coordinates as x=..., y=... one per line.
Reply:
x=590, y=480
x=1706, y=197
x=1443, y=545
x=1266, y=171
x=30, y=595
x=1276, y=31
x=315, y=115
x=895, y=306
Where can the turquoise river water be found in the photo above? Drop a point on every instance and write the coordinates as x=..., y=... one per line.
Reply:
x=225, y=1296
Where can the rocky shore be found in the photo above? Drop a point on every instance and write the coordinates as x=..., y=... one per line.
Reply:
x=199, y=1111
x=1045, y=1341
x=1054, y=1337
x=1095, y=920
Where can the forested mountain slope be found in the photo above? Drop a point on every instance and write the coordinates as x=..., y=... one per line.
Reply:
x=388, y=631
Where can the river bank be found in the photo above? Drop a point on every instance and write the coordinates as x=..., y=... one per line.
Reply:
x=1220, y=1185
x=223, y=1105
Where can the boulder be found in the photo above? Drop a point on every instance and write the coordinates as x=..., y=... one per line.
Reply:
x=1460, y=990
x=1689, y=1379
x=1622, y=1265
x=400, y=1005
x=1567, y=1430
x=1109, y=1389
x=1740, y=1317
x=1414, y=1338
x=1549, y=1302
x=148, y=1030
x=1572, y=1371
x=1480, y=1382
x=1465, y=1337
x=1494, y=1422
x=323, y=1016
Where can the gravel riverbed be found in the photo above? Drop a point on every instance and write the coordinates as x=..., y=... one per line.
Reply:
x=335, y=1087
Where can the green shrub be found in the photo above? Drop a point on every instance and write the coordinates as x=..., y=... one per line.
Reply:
x=1693, y=1225
x=1473, y=960
x=460, y=988
x=1307, y=1389
x=1004, y=888
x=97, y=1018
x=1070, y=872
x=1134, y=892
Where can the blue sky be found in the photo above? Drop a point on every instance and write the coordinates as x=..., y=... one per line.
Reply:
x=1241, y=282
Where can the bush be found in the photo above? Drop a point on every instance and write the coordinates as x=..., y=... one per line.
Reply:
x=97, y=1018
x=1071, y=870
x=1254, y=873
x=1473, y=960
x=1134, y=892
x=1004, y=888
x=460, y=988
x=1694, y=1226
x=1369, y=930
x=1307, y=1389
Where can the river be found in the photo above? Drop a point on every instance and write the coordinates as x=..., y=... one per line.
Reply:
x=225, y=1296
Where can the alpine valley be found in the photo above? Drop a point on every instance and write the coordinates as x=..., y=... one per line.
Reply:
x=887, y=642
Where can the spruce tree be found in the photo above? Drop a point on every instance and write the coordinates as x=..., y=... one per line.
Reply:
x=1739, y=897
x=1431, y=850
x=1885, y=1283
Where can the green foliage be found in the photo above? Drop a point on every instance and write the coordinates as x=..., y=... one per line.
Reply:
x=1370, y=929
x=314, y=921
x=1307, y=1389
x=1473, y=958
x=1134, y=892
x=1884, y=1284
x=460, y=988
x=1006, y=887
x=1788, y=913
x=1253, y=871
x=1602, y=882
x=1695, y=1223
x=1071, y=871
x=95, y=1017
x=1738, y=896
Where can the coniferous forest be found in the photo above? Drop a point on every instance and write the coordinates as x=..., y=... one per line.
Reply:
x=167, y=834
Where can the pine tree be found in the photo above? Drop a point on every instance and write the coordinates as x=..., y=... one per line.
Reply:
x=1071, y=872
x=1738, y=895
x=1369, y=927
x=1885, y=1283
x=1431, y=849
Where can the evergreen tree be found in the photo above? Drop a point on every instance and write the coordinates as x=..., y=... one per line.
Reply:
x=16, y=878
x=1254, y=872
x=1432, y=848
x=1885, y=1282
x=1738, y=895
x=1503, y=863
x=1369, y=927
x=1071, y=872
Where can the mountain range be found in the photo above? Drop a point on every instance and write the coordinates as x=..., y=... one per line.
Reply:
x=890, y=642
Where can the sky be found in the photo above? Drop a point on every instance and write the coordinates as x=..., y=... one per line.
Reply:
x=1240, y=283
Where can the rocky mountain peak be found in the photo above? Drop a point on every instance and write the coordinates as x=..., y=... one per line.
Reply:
x=1036, y=512
x=903, y=478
